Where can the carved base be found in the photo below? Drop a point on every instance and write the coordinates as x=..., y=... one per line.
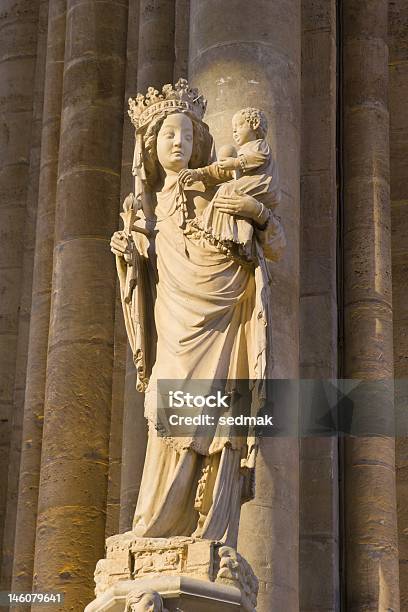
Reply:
x=189, y=575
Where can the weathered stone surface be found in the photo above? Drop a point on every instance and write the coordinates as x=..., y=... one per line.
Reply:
x=18, y=48
x=221, y=58
x=178, y=594
x=318, y=302
x=255, y=61
x=209, y=565
x=156, y=43
x=25, y=297
x=73, y=485
x=370, y=502
x=398, y=72
x=116, y=425
x=133, y=446
x=152, y=63
x=40, y=304
x=181, y=39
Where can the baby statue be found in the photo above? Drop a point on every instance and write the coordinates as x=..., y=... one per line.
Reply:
x=249, y=170
x=144, y=601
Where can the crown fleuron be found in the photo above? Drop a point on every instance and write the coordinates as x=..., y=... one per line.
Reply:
x=180, y=96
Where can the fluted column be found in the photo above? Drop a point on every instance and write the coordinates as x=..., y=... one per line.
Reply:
x=398, y=67
x=319, y=495
x=155, y=66
x=248, y=54
x=18, y=47
x=75, y=451
x=370, y=498
x=41, y=301
x=25, y=298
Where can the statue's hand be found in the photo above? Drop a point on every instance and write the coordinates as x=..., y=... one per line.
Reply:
x=188, y=176
x=240, y=204
x=228, y=163
x=119, y=244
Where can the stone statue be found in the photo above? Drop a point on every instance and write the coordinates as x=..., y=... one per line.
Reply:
x=192, y=309
x=144, y=601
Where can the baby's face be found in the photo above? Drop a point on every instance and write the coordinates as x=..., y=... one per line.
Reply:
x=241, y=130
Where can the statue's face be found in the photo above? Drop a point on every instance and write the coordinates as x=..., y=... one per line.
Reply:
x=175, y=142
x=150, y=602
x=241, y=131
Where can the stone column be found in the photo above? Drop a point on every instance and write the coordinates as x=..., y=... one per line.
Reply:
x=155, y=66
x=116, y=424
x=132, y=54
x=318, y=303
x=134, y=446
x=156, y=43
x=181, y=39
x=248, y=54
x=18, y=48
x=398, y=67
x=118, y=433
x=75, y=452
x=41, y=299
x=25, y=299
x=370, y=498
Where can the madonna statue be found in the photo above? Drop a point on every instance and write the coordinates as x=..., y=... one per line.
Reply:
x=193, y=309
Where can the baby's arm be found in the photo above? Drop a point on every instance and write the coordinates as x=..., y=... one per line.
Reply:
x=209, y=175
x=254, y=157
x=229, y=163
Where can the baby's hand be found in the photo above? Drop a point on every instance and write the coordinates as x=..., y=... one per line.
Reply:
x=188, y=176
x=228, y=163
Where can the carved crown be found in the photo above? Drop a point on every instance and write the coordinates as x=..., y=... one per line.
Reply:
x=180, y=96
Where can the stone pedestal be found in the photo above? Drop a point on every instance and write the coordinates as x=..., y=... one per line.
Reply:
x=190, y=575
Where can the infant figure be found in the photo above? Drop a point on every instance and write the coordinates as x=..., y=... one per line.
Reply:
x=250, y=170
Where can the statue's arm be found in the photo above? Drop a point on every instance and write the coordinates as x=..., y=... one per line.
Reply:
x=252, y=160
x=214, y=174
x=120, y=246
x=268, y=228
x=137, y=282
x=209, y=175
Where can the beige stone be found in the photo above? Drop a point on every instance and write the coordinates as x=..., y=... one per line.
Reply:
x=156, y=43
x=25, y=298
x=134, y=566
x=247, y=55
x=18, y=47
x=255, y=61
x=40, y=305
x=133, y=446
x=152, y=61
x=398, y=73
x=369, y=472
x=153, y=516
x=195, y=491
x=73, y=485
